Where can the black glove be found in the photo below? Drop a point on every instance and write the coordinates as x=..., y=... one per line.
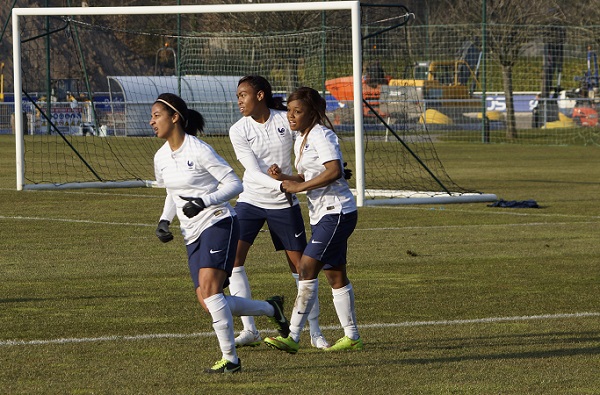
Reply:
x=347, y=172
x=193, y=206
x=162, y=231
x=288, y=195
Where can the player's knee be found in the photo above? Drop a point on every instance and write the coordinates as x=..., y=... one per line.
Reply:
x=336, y=279
x=307, y=272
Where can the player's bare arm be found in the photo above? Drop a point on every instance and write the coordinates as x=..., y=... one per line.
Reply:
x=333, y=171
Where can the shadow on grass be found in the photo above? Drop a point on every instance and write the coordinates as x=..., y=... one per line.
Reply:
x=474, y=347
x=554, y=353
x=28, y=300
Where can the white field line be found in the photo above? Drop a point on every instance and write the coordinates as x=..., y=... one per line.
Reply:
x=465, y=226
x=85, y=221
x=513, y=212
x=446, y=208
x=490, y=320
x=76, y=192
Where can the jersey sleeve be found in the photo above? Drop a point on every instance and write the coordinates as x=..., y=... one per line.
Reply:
x=327, y=147
x=158, y=176
x=240, y=144
x=253, y=171
x=169, y=209
x=213, y=162
x=230, y=187
x=247, y=158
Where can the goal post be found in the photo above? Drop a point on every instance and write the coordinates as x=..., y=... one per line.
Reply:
x=352, y=6
x=87, y=87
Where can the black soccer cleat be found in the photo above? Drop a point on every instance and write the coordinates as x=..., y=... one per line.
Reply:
x=282, y=323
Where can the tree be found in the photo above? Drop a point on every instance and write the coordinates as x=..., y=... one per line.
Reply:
x=256, y=24
x=510, y=25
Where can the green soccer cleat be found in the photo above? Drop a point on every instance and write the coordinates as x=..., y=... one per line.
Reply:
x=225, y=366
x=282, y=343
x=283, y=325
x=345, y=343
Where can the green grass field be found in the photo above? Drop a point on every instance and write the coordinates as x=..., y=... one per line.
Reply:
x=451, y=299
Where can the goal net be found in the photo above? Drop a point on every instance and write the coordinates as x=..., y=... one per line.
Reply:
x=86, y=78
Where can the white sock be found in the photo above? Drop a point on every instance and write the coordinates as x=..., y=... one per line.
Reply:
x=307, y=293
x=343, y=300
x=223, y=325
x=313, y=317
x=248, y=307
x=239, y=286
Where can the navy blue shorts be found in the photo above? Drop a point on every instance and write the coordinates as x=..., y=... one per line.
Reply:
x=286, y=225
x=329, y=241
x=215, y=248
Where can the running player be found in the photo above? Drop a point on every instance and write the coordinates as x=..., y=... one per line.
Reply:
x=261, y=138
x=199, y=185
x=333, y=217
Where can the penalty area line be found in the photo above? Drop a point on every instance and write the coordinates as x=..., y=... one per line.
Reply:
x=483, y=320
x=8, y=343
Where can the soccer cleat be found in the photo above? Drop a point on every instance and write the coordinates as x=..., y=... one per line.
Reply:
x=345, y=343
x=282, y=343
x=319, y=341
x=283, y=326
x=225, y=366
x=248, y=339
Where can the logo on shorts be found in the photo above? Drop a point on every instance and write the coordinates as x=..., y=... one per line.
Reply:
x=214, y=251
x=190, y=164
x=298, y=234
x=316, y=242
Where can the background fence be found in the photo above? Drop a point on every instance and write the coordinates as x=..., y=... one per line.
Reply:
x=417, y=74
x=518, y=83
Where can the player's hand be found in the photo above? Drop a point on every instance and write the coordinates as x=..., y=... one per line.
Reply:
x=193, y=206
x=274, y=171
x=162, y=231
x=347, y=172
x=290, y=186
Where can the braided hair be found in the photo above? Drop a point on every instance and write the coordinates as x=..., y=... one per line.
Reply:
x=259, y=83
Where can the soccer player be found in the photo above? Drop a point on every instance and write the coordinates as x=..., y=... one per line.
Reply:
x=261, y=138
x=199, y=185
x=333, y=217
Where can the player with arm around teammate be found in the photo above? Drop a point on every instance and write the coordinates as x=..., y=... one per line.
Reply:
x=199, y=185
x=261, y=138
x=333, y=218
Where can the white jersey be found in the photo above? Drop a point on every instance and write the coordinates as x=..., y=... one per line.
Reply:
x=322, y=146
x=257, y=146
x=193, y=170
